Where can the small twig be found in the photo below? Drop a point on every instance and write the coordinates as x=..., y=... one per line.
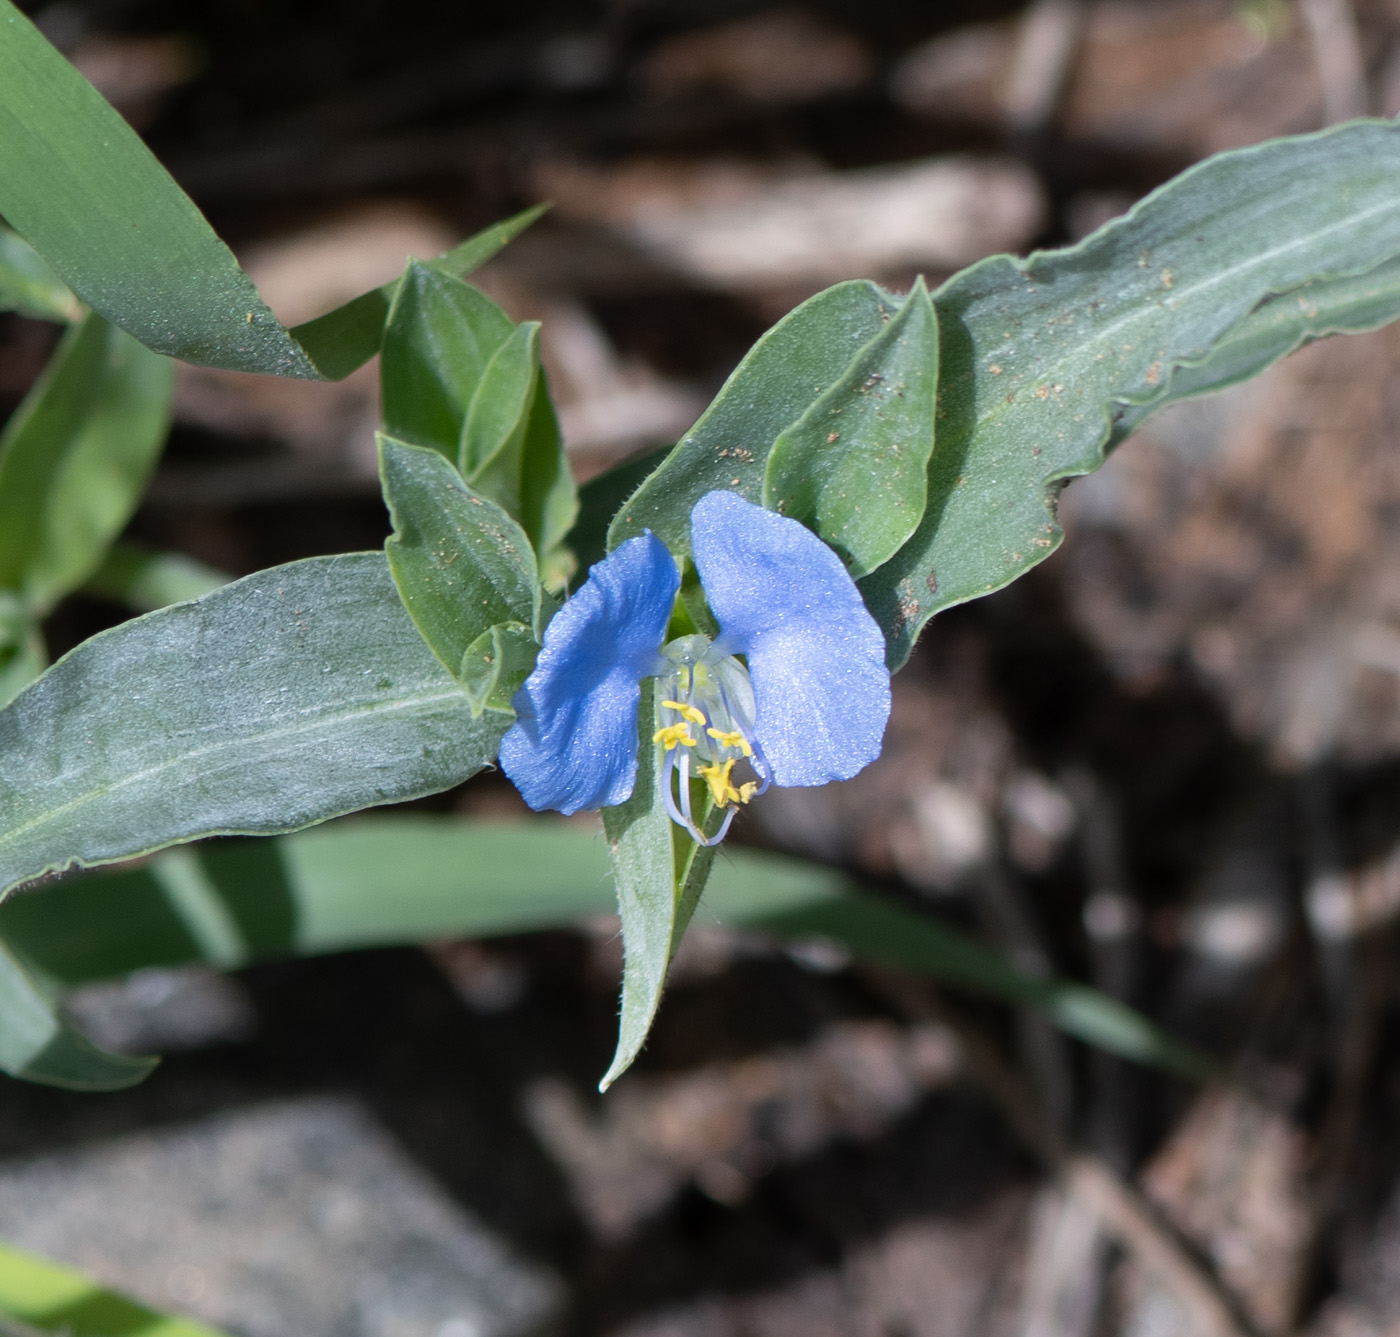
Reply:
x=1045, y=50
x=1354, y=987
x=1327, y=893
x=1154, y=1246
x=1113, y=925
x=1043, y=1047
x=1211, y=1308
x=1068, y=1260
x=1341, y=69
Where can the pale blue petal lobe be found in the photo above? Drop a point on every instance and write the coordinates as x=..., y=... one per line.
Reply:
x=817, y=658
x=574, y=742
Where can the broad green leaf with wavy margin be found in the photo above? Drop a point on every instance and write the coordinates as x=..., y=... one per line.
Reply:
x=110, y=221
x=296, y=694
x=1279, y=325
x=1037, y=354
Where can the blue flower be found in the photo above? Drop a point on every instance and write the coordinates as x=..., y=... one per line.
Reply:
x=806, y=705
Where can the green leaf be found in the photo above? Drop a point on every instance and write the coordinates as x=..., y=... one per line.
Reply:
x=393, y=880
x=494, y=431
x=440, y=337
x=366, y=882
x=1279, y=325
x=144, y=580
x=767, y=894
x=22, y=654
x=54, y=1299
x=1036, y=355
x=20, y=664
x=80, y=497
x=854, y=466
x=781, y=376
x=90, y=198
x=290, y=696
x=39, y=1046
x=35, y=1042
x=29, y=286
x=660, y=874
x=643, y=864
x=88, y=195
x=548, y=494
x=512, y=450
x=496, y=664
x=346, y=338
x=461, y=564
x=37, y=438
x=602, y=497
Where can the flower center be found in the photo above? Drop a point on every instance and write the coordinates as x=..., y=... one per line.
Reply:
x=704, y=718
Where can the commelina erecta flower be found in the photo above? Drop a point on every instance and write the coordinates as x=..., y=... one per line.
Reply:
x=793, y=691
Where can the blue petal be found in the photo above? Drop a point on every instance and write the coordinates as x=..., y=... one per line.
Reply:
x=574, y=742
x=816, y=656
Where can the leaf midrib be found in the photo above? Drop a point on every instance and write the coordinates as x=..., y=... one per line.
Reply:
x=1128, y=320
x=13, y=836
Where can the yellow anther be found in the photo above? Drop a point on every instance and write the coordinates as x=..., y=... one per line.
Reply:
x=731, y=738
x=686, y=712
x=717, y=777
x=722, y=787
x=672, y=735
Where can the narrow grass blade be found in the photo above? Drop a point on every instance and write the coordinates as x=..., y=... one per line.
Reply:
x=380, y=881
x=80, y=186
x=59, y=1301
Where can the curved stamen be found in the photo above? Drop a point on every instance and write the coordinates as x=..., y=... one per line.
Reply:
x=752, y=750
x=704, y=711
x=719, y=835
x=761, y=769
x=667, y=778
x=685, y=792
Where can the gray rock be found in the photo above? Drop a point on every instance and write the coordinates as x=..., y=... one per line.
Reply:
x=297, y=1217
x=163, y=1011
